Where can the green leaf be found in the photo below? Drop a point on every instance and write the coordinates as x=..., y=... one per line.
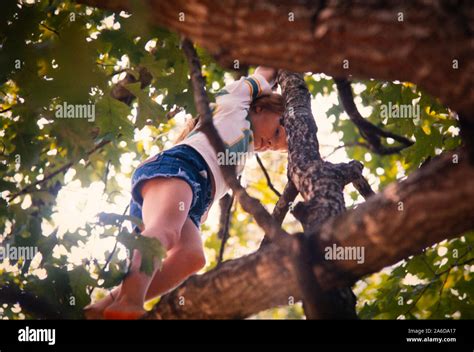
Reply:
x=148, y=109
x=46, y=246
x=79, y=280
x=115, y=272
x=111, y=118
x=155, y=67
x=419, y=266
x=151, y=250
x=7, y=186
x=71, y=239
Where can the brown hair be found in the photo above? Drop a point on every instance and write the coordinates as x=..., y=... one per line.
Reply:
x=271, y=102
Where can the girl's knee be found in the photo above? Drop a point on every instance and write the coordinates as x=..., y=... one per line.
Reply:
x=169, y=237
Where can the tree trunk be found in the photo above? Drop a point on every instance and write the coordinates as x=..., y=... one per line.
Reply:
x=321, y=184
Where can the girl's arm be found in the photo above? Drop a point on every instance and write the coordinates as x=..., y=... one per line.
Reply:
x=239, y=94
x=268, y=73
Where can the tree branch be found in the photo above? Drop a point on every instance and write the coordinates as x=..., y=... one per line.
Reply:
x=322, y=29
x=368, y=131
x=321, y=185
x=438, y=203
x=267, y=176
x=282, y=207
x=30, y=188
x=225, y=204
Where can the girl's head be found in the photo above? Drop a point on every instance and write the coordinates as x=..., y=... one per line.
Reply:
x=266, y=116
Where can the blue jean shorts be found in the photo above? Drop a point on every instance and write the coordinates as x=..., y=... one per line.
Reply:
x=181, y=161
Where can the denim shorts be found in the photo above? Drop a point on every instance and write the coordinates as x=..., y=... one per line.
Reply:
x=181, y=161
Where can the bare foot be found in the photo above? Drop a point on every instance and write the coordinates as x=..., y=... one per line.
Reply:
x=96, y=311
x=124, y=310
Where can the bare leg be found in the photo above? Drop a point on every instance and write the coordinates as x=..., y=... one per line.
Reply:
x=186, y=258
x=166, y=203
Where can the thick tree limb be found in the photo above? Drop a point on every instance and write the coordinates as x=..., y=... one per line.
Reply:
x=433, y=206
x=428, y=43
x=321, y=185
x=438, y=203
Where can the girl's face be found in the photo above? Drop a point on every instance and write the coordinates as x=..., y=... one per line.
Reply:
x=268, y=133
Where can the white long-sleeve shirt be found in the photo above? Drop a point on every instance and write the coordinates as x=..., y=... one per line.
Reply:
x=232, y=121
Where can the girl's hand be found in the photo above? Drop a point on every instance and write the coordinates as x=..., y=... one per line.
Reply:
x=268, y=73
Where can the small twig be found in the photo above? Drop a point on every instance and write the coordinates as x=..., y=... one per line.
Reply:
x=456, y=265
x=30, y=188
x=282, y=207
x=352, y=172
x=267, y=176
x=363, y=187
x=225, y=204
x=348, y=145
x=418, y=298
x=109, y=258
x=6, y=110
x=171, y=114
x=437, y=275
x=441, y=291
x=106, y=175
x=50, y=29
x=115, y=73
x=371, y=133
x=426, y=263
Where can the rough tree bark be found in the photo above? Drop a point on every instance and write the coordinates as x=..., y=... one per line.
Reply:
x=321, y=184
x=438, y=203
x=413, y=41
